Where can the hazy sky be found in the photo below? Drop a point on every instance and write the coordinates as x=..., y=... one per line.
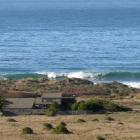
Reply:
x=31, y=4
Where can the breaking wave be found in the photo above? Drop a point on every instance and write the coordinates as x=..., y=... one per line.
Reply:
x=129, y=78
x=80, y=74
x=106, y=76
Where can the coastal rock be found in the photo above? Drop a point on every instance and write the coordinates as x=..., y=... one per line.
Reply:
x=36, y=87
x=115, y=88
x=75, y=81
x=102, y=89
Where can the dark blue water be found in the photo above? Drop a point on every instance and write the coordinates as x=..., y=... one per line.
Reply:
x=80, y=39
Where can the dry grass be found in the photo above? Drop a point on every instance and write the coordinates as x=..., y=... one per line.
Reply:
x=126, y=126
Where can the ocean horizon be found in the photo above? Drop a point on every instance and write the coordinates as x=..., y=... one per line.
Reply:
x=93, y=40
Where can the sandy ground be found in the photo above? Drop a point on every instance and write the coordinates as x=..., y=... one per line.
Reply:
x=126, y=126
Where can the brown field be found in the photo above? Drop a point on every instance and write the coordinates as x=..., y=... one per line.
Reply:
x=126, y=125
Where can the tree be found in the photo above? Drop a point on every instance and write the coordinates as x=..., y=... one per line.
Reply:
x=2, y=103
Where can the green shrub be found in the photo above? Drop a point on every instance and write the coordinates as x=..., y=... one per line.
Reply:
x=96, y=105
x=63, y=123
x=61, y=129
x=27, y=130
x=52, y=110
x=75, y=106
x=110, y=119
x=100, y=138
x=82, y=105
x=109, y=106
x=2, y=103
x=95, y=120
x=81, y=121
x=120, y=123
x=48, y=126
x=11, y=120
x=1, y=114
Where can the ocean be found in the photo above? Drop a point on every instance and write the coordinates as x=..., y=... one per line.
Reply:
x=95, y=40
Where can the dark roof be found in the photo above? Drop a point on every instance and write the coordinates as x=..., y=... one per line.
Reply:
x=40, y=101
x=52, y=95
x=20, y=102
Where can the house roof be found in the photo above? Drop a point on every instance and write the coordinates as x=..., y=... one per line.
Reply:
x=20, y=102
x=40, y=101
x=52, y=95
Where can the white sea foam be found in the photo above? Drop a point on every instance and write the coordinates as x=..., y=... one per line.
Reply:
x=52, y=75
x=133, y=84
x=79, y=74
x=93, y=76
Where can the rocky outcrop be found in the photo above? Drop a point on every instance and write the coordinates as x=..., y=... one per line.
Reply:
x=75, y=82
x=36, y=87
x=115, y=88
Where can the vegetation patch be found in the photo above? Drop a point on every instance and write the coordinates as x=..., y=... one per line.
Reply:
x=95, y=120
x=81, y=121
x=110, y=119
x=100, y=138
x=121, y=123
x=61, y=129
x=33, y=86
x=52, y=110
x=27, y=130
x=2, y=103
x=48, y=126
x=63, y=123
x=11, y=120
x=96, y=105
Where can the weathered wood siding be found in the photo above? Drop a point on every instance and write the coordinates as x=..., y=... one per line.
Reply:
x=24, y=111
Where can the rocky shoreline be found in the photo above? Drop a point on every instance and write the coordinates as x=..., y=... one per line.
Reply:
x=30, y=87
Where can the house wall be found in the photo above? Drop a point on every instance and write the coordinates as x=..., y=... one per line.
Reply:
x=24, y=111
x=51, y=100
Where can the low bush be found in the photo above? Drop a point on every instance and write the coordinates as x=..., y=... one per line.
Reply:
x=52, y=110
x=81, y=121
x=48, y=126
x=97, y=105
x=63, y=123
x=61, y=129
x=1, y=114
x=2, y=103
x=11, y=120
x=110, y=119
x=100, y=138
x=27, y=130
x=95, y=120
x=120, y=123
